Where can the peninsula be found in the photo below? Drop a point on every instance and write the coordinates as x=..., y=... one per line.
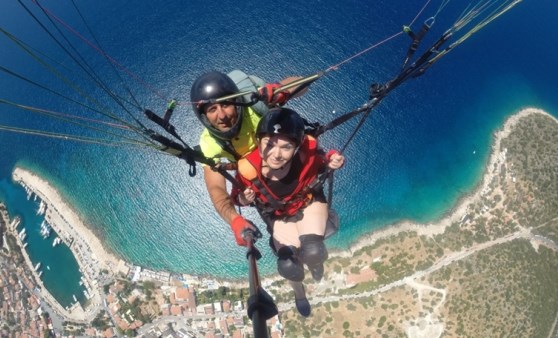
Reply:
x=488, y=267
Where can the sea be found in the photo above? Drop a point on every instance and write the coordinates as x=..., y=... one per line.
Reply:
x=421, y=149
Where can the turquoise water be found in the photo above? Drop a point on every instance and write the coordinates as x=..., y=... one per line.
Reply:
x=418, y=152
x=61, y=274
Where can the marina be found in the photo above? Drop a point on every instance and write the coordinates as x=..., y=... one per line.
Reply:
x=33, y=228
x=75, y=267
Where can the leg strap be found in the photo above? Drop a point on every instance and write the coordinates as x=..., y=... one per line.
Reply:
x=332, y=225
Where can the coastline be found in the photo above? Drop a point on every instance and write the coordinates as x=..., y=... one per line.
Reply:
x=461, y=206
x=92, y=257
x=66, y=221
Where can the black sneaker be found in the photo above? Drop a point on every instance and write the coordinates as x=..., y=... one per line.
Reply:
x=303, y=307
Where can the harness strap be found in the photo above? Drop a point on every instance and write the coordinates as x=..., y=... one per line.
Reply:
x=319, y=182
x=272, y=202
x=228, y=147
x=186, y=153
x=329, y=189
x=162, y=122
x=416, y=39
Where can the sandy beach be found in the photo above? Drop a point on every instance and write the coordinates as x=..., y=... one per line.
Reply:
x=108, y=260
x=91, y=255
x=73, y=223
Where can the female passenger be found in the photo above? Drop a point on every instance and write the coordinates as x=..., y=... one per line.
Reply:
x=278, y=176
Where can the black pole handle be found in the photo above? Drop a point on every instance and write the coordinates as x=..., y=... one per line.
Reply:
x=260, y=304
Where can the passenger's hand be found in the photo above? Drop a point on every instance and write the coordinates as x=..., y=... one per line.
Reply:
x=247, y=196
x=268, y=94
x=335, y=160
x=238, y=225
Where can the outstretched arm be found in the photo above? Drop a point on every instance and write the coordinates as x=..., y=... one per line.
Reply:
x=223, y=203
x=217, y=189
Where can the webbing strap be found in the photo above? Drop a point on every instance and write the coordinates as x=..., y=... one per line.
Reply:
x=228, y=147
x=417, y=38
x=271, y=201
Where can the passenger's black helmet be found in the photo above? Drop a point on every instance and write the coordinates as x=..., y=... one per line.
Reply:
x=213, y=85
x=282, y=121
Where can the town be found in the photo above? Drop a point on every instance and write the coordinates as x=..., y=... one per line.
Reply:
x=194, y=307
x=476, y=272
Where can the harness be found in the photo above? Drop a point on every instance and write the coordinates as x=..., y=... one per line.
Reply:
x=249, y=173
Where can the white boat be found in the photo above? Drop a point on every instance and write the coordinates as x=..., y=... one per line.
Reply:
x=40, y=273
x=25, y=245
x=56, y=241
x=21, y=232
x=37, y=266
x=15, y=222
x=75, y=299
x=48, y=267
x=45, y=230
x=23, y=236
x=42, y=208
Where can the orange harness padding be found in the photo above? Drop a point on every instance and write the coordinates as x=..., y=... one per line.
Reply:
x=250, y=175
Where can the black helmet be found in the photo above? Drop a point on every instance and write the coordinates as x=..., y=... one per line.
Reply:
x=210, y=86
x=282, y=121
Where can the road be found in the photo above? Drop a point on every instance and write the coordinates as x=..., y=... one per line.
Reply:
x=409, y=280
x=449, y=259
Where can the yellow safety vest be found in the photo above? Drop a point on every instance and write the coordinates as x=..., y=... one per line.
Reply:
x=243, y=143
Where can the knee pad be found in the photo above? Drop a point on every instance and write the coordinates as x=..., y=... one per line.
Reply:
x=312, y=250
x=289, y=265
